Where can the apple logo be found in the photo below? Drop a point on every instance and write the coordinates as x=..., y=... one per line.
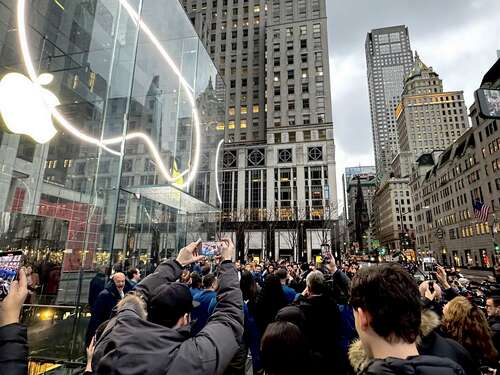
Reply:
x=26, y=107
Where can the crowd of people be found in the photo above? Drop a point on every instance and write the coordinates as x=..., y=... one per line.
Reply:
x=195, y=315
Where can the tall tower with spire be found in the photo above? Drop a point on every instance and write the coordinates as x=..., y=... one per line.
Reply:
x=428, y=118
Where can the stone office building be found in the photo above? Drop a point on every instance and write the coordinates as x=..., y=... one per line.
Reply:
x=279, y=188
x=445, y=187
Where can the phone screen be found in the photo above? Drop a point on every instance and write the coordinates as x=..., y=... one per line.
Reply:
x=326, y=254
x=210, y=249
x=9, y=269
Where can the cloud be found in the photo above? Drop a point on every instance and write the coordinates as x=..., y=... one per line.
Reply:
x=461, y=55
x=457, y=37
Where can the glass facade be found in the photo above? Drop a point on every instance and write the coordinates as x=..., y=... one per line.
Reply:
x=131, y=173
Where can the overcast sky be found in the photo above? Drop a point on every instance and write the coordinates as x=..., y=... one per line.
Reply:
x=458, y=38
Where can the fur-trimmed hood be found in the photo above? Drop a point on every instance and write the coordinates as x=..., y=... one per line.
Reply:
x=359, y=358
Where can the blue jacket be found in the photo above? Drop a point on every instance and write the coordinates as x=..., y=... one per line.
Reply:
x=290, y=294
x=259, y=279
x=252, y=337
x=195, y=291
x=201, y=314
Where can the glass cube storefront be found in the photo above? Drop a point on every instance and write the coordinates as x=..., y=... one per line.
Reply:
x=110, y=161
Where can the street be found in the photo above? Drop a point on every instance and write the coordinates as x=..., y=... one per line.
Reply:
x=476, y=275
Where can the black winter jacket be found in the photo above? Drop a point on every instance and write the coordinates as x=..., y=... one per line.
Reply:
x=13, y=349
x=133, y=345
x=432, y=343
x=322, y=330
x=419, y=365
x=429, y=343
x=103, y=307
x=495, y=330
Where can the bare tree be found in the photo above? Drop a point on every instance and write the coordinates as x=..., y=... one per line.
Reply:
x=292, y=234
x=324, y=234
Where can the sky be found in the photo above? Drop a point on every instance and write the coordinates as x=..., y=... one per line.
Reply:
x=458, y=38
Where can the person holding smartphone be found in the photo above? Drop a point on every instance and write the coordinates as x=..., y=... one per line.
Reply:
x=153, y=336
x=14, y=336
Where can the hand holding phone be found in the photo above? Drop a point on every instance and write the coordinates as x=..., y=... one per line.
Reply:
x=11, y=306
x=326, y=254
x=10, y=262
x=210, y=249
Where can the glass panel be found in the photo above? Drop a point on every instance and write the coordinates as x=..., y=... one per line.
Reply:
x=82, y=203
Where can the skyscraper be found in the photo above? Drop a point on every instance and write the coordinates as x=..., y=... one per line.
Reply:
x=389, y=59
x=428, y=118
x=279, y=156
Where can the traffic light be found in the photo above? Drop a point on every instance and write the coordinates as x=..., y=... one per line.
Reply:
x=497, y=248
x=381, y=251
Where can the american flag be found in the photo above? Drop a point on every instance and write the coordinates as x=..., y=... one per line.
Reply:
x=481, y=211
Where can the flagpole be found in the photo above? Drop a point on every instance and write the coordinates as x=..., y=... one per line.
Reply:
x=493, y=231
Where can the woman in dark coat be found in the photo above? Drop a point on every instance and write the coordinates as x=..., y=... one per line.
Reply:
x=269, y=301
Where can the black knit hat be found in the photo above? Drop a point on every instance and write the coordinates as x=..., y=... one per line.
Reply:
x=169, y=303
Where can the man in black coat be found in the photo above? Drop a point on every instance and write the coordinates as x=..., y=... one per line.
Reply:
x=162, y=343
x=105, y=303
x=321, y=323
x=96, y=286
x=493, y=310
x=14, y=336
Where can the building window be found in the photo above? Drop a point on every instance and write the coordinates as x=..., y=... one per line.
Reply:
x=315, y=153
x=229, y=159
x=285, y=155
x=256, y=157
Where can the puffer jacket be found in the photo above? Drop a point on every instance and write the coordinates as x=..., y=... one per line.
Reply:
x=429, y=343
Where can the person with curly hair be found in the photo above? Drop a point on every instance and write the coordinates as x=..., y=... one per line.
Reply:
x=467, y=324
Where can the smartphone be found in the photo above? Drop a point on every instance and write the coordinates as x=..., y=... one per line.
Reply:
x=210, y=249
x=10, y=262
x=326, y=254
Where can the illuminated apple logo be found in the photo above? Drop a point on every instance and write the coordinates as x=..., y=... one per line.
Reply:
x=26, y=107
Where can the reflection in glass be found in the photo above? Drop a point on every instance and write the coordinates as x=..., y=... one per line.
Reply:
x=75, y=208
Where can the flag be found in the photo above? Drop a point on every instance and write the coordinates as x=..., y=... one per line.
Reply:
x=481, y=211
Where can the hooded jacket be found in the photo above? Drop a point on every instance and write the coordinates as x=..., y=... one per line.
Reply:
x=131, y=344
x=430, y=345
x=419, y=365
